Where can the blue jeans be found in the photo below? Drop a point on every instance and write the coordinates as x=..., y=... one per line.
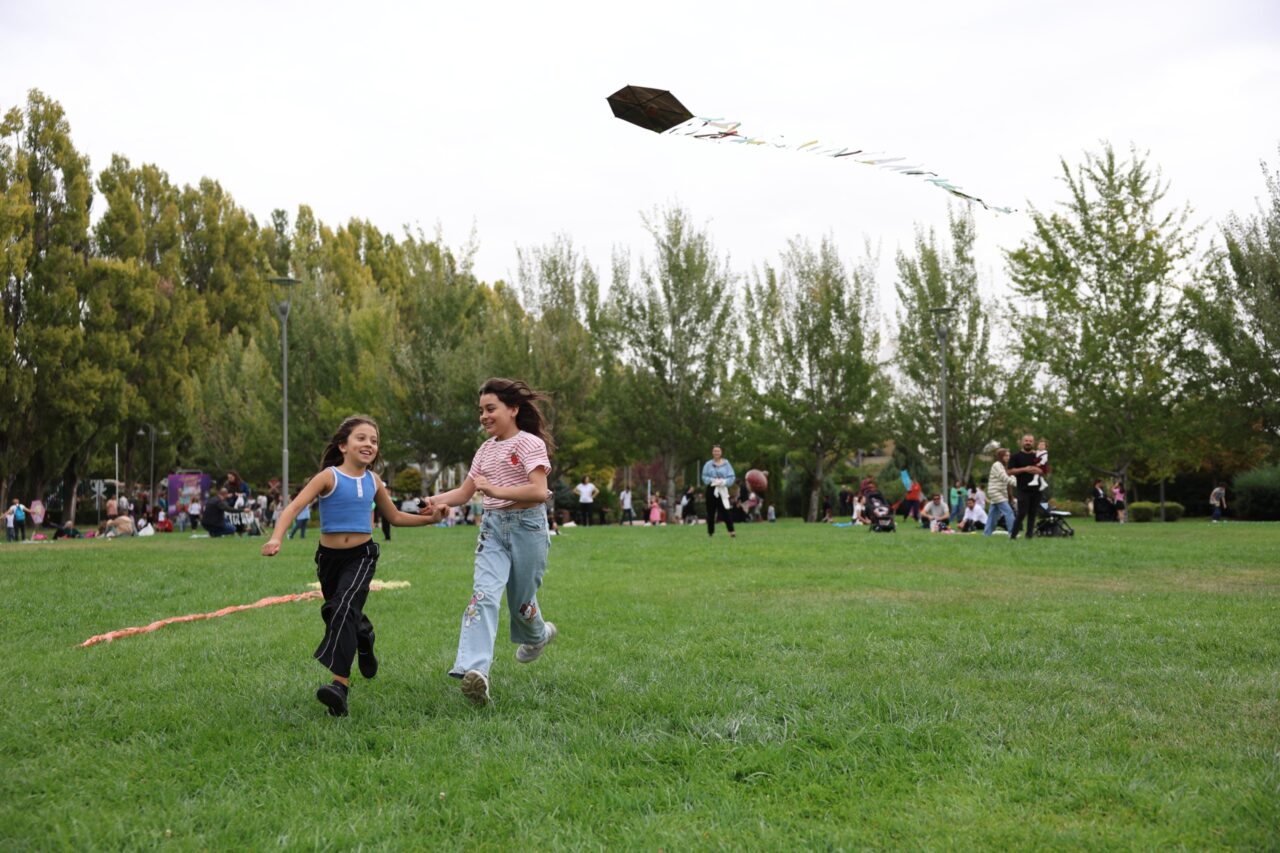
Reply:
x=511, y=554
x=994, y=511
x=227, y=529
x=299, y=526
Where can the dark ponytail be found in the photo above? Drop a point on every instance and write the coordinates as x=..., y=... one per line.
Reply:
x=515, y=392
x=333, y=450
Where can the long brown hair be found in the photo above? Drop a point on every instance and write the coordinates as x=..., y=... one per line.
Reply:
x=333, y=452
x=517, y=393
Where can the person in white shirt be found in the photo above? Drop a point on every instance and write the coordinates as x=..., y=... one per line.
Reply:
x=975, y=517
x=860, y=510
x=935, y=514
x=628, y=512
x=586, y=492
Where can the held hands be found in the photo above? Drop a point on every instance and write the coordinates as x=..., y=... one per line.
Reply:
x=483, y=486
x=271, y=547
x=434, y=511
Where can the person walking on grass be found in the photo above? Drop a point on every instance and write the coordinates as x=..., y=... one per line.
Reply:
x=718, y=476
x=998, y=485
x=300, y=523
x=347, y=556
x=510, y=469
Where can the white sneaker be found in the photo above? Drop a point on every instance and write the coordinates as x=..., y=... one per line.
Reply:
x=475, y=686
x=526, y=653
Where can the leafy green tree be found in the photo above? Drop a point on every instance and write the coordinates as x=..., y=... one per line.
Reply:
x=439, y=354
x=1101, y=279
x=237, y=397
x=17, y=236
x=44, y=291
x=1235, y=317
x=812, y=354
x=985, y=385
x=675, y=335
x=222, y=257
x=561, y=293
x=159, y=320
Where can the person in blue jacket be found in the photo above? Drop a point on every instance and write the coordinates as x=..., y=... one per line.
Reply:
x=717, y=476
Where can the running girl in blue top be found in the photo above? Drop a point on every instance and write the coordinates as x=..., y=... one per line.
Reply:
x=347, y=556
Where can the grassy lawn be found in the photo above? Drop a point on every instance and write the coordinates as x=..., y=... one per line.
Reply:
x=800, y=687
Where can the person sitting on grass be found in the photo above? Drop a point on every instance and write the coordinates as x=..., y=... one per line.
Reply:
x=935, y=514
x=67, y=531
x=347, y=556
x=975, y=517
x=121, y=525
x=860, y=510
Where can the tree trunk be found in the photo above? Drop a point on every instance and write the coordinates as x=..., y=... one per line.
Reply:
x=815, y=494
x=670, y=464
x=71, y=484
x=1162, y=499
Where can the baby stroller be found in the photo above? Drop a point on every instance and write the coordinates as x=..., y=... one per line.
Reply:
x=880, y=513
x=1053, y=522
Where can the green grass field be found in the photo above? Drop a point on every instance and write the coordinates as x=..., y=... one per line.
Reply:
x=800, y=687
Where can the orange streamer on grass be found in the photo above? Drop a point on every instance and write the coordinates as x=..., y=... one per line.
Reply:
x=195, y=617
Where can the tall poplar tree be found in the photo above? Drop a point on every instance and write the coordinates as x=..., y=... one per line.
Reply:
x=985, y=385
x=676, y=334
x=812, y=353
x=1235, y=316
x=44, y=294
x=1101, y=281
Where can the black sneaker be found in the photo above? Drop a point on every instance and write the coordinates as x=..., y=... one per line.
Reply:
x=334, y=697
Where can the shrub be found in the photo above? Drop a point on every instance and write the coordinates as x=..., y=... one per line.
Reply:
x=1150, y=511
x=408, y=481
x=1076, y=508
x=1257, y=494
x=1142, y=511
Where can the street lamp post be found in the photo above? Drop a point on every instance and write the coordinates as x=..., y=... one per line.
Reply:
x=151, y=484
x=941, y=321
x=282, y=311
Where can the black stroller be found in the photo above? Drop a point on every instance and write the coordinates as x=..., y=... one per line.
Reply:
x=1053, y=522
x=880, y=514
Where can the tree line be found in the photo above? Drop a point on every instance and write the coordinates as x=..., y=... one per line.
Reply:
x=1143, y=351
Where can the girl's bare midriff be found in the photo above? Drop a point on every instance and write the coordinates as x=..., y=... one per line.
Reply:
x=344, y=540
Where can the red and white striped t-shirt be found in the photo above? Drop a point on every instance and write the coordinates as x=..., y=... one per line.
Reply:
x=509, y=463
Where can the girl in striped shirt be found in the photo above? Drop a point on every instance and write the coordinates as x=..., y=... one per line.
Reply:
x=510, y=469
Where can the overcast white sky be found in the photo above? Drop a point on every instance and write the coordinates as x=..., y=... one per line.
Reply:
x=494, y=113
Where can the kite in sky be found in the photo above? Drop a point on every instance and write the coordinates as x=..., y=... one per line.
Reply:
x=658, y=110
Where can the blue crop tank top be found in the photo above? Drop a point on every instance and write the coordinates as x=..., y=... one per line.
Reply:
x=349, y=507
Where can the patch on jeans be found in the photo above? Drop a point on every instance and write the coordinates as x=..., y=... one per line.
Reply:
x=528, y=610
x=471, y=615
x=480, y=542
